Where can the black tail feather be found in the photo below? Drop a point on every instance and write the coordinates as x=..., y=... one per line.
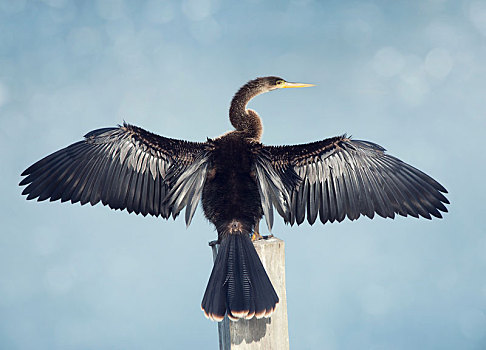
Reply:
x=238, y=285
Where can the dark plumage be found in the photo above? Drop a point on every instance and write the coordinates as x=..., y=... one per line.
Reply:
x=239, y=180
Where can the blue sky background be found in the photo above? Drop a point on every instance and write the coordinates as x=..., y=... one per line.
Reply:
x=409, y=75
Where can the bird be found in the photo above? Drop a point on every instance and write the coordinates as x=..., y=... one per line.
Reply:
x=239, y=181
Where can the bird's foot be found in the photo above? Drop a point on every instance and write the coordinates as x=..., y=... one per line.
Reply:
x=213, y=243
x=255, y=236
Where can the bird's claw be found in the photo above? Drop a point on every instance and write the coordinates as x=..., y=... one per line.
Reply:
x=213, y=243
x=255, y=236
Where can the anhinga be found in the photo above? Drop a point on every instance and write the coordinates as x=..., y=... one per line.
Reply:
x=238, y=180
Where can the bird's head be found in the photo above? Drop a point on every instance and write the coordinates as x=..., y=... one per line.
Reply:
x=266, y=84
x=248, y=120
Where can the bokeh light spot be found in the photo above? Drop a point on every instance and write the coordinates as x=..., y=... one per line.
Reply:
x=473, y=324
x=357, y=32
x=56, y=3
x=196, y=10
x=206, y=31
x=3, y=94
x=111, y=9
x=438, y=63
x=59, y=279
x=84, y=40
x=477, y=14
x=375, y=300
x=159, y=11
x=413, y=88
x=388, y=62
x=11, y=7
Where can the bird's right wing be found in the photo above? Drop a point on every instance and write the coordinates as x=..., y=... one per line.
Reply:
x=125, y=168
x=339, y=177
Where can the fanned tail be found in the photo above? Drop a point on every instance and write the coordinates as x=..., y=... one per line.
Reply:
x=238, y=285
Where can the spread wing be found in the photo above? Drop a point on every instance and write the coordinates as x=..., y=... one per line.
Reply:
x=339, y=177
x=125, y=168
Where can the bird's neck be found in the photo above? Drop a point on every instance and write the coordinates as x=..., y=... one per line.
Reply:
x=246, y=120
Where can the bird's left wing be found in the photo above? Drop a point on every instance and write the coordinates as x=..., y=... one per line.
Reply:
x=339, y=177
x=125, y=168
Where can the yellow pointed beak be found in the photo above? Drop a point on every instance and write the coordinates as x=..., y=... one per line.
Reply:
x=295, y=85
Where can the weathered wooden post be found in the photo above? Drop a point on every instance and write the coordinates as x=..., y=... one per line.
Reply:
x=265, y=333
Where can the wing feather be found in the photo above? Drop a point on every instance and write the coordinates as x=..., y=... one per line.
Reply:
x=125, y=168
x=340, y=177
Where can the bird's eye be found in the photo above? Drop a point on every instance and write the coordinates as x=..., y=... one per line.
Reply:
x=280, y=82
